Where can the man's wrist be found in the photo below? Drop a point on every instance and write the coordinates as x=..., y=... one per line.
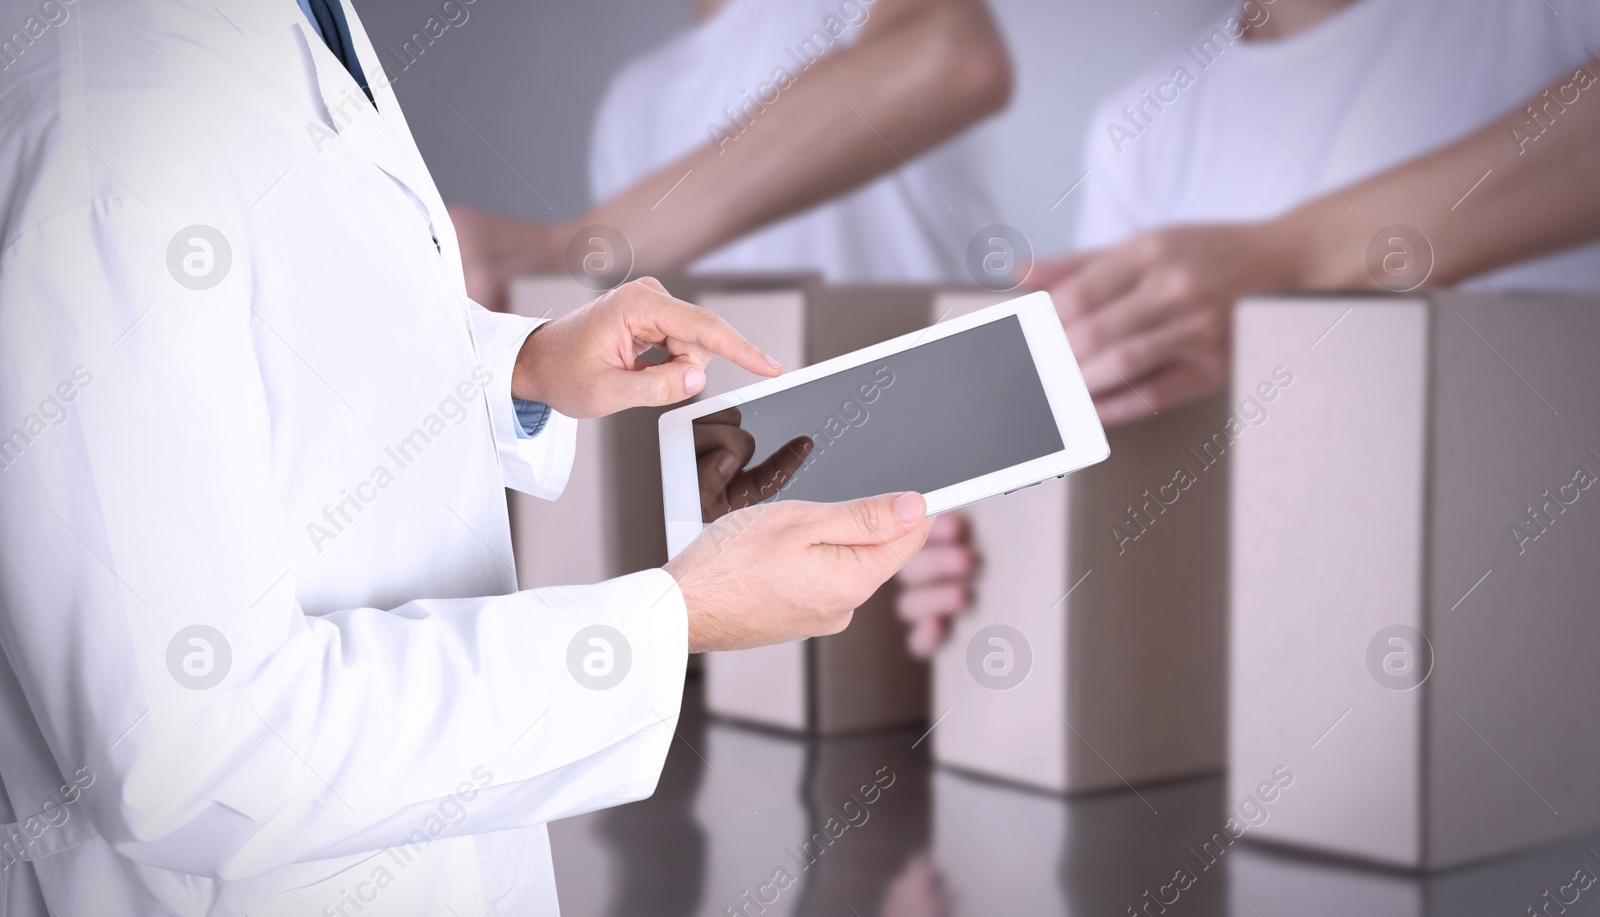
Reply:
x=1316, y=247
x=524, y=374
x=1281, y=254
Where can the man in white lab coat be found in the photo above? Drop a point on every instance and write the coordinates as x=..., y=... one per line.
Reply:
x=263, y=647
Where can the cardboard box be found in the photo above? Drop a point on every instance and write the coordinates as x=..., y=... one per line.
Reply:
x=1113, y=579
x=1414, y=576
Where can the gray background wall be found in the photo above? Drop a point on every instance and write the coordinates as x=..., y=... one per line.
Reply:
x=526, y=77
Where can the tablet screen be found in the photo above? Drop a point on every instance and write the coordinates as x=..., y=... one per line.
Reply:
x=934, y=415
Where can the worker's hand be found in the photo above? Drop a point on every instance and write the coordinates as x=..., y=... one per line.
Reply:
x=937, y=584
x=497, y=250
x=586, y=364
x=1150, y=319
x=722, y=449
x=790, y=570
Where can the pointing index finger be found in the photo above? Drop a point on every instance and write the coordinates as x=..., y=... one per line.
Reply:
x=704, y=330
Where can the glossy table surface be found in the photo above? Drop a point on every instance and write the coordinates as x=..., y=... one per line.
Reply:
x=727, y=828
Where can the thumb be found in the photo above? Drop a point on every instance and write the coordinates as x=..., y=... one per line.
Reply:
x=654, y=386
x=868, y=521
x=716, y=470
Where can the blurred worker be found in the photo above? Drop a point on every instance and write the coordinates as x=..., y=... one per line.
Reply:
x=1213, y=175
x=716, y=150
x=1270, y=150
x=262, y=648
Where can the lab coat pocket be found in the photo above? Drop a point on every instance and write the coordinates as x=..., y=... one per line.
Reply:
x=19, y=892
x=20, y=895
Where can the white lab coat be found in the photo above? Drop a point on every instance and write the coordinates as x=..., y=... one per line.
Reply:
x=397, y=722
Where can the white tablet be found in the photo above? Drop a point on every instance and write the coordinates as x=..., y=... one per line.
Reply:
x=970, y=408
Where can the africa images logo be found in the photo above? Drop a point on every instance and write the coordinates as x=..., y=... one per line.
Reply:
x=198, y=257
x=199, y=657
x=599, y=657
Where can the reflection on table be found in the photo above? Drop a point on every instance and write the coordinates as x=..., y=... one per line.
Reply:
x=752, y=822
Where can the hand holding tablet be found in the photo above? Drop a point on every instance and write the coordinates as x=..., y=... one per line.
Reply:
x=793, y=569
x=975, y=407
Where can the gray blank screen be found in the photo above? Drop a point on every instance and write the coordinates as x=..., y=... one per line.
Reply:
x=938, y=414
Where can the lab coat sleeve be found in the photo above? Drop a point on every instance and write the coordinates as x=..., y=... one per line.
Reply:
x=538, y=465
x=142, y=545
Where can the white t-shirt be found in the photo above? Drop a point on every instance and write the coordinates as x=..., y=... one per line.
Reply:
x=1262, y=127
x=912, y=224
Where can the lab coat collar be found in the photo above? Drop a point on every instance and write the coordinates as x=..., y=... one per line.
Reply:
x=377, y=131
